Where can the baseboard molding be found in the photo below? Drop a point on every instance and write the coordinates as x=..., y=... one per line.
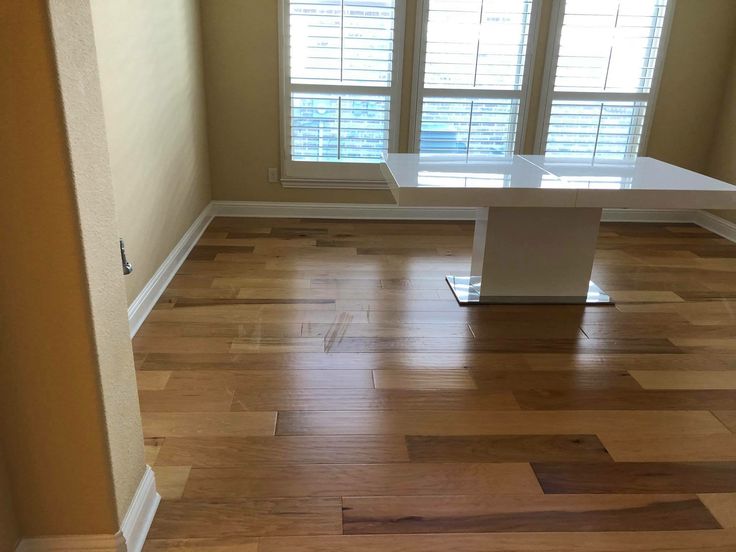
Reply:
x=142, y=305
x=145, y=301
x=338, y=211
x=394, y=212
x=130, y=538
x=717, y=225
x=142, y=509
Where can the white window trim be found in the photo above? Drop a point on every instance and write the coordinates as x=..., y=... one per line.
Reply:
x=550, y=70
x=306, y=174
x=524, y=95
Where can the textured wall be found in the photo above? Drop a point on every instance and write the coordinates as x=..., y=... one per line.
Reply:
x=69, y=417
x=240, y=42
x=149, y=56
x=723, y=150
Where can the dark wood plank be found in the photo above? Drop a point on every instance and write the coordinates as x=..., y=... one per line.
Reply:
x=463, y=514
x=637, y=477
x=614, y=399
x=506, y=448
x=210, y=252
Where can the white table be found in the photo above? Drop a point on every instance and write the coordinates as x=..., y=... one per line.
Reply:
x=537, y=218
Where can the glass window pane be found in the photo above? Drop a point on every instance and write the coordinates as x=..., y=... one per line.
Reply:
x=339, y=127
x=591, y=129
x=469, y=126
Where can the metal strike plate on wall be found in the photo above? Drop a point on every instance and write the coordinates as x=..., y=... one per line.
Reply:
x=127, y=267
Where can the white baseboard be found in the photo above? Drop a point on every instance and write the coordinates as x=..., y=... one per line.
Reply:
x=717, y=225
x=130, y=538
x=138, y=518
x=338, y=211
x=142, y=305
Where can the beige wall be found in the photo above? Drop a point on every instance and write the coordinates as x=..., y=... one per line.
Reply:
x=722, y=163
x=149, y=56
x=695, y=73
x=240, y=42
x=69, y=417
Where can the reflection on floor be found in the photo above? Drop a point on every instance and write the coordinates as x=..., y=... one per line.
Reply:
x=312, y=385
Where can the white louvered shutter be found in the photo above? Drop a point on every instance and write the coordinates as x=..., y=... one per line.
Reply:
x=472, y=76
x=604, y=77
x=341, y=78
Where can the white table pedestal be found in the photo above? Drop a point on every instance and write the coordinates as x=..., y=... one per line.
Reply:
x=532, y=255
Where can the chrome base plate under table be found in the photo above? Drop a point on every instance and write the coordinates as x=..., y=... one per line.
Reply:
x=467, y=292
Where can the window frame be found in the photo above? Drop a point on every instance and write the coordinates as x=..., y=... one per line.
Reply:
x=548, y=93
x=524, y=94
x=326, y=174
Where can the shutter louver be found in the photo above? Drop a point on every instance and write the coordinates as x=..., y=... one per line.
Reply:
x=473, y=74
x=608, y=51
x=341, y=64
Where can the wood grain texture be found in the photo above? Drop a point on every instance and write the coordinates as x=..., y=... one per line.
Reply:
x=225, y=452
x=290, y=480
x=625, y=541
x=714, y=379
x=469, y=514
x=297, y=516
x=506, y=448
x=637, y=477
x=303, y=378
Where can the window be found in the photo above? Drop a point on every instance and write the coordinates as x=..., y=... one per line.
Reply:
x=602, y=78
x=473, y=70
x=340, y=91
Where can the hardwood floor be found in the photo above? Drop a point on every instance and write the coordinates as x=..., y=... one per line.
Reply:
x=312, y=386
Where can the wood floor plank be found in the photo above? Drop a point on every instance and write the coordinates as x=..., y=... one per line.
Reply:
x=244, y=517
x=655, y=448
x=727, y=418
x=215, y=424
x=616, y=399
x=232, y=452
x=636, y=477
x=549, y=379
x=499, y=423
x=373, y=399
x=422, y=380
x=186, y=400
x=260, y=380
x=171, y=480
x=221, y=544
x=722, y=506
x=153, y=380
x=506, y=448
x=293, y=480
x=714, y=379
x=487, y=514
x=294, y=367
x=625, y=541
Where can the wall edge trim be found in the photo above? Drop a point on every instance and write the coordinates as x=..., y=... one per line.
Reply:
x=717, y=225
x=154, y=288
x=130, y=538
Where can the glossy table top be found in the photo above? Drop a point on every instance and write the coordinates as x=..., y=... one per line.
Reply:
x=538, y=181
